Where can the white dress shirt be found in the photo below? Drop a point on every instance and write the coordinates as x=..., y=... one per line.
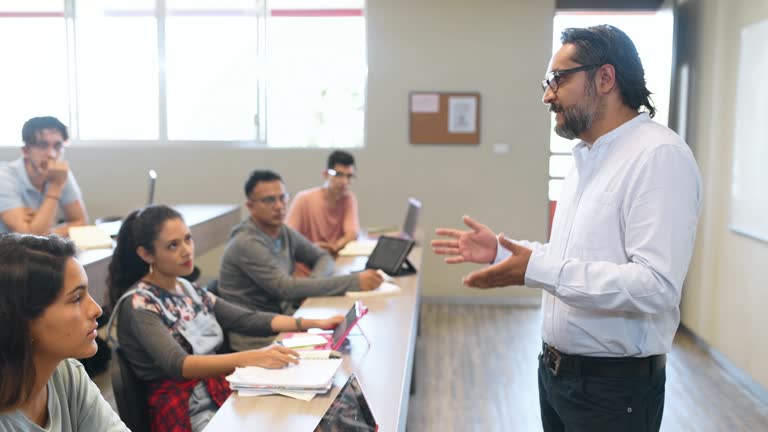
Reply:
x=621, y=243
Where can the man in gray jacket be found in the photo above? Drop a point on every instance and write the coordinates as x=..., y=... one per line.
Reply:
x=262, y=251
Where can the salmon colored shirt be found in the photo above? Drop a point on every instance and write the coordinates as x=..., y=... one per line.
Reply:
x=312, y=216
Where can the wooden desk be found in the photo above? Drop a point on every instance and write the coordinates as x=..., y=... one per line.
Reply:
x=210, y=225
x=384, y=369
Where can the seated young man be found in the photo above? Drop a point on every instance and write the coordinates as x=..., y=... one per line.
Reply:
x=262, y=252
x=327, y=215
x=38, y=189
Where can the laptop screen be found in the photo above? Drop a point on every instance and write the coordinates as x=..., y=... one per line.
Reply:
x=349, y=412
x=411, y=218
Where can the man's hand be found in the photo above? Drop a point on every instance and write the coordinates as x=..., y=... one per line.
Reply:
x=477, y=245
x=56, y=172
x=327, y=247
x=28, y=214
x=511, y=271
x=369, y=279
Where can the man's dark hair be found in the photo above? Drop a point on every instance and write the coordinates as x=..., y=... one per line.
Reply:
x=34, y=125
x=340, y=157
x=260, y=176
x=605, y=44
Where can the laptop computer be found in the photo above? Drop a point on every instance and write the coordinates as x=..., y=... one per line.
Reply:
x=365, y=247
x=349, y=412
x=411, y=219
x=111, y=224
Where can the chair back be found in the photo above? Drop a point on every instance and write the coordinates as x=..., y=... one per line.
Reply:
x=130, y=394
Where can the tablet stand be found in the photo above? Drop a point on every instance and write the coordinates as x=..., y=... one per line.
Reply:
x=367, y=341
x=406, y=269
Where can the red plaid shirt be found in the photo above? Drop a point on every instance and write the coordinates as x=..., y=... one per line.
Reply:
x=168, y=401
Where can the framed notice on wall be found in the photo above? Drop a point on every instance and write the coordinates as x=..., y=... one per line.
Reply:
x=444, y=118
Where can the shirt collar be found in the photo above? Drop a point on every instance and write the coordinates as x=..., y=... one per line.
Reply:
x=612, y=135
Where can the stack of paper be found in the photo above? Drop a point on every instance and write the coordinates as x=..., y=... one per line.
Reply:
x=313, y=375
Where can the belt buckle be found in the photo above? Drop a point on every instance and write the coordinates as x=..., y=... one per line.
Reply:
x=553, y=358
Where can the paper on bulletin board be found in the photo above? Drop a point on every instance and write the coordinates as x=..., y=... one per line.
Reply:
x=425, y=103
x=462, y=112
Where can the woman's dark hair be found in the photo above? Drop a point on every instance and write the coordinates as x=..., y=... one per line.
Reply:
x=605, y=44
x=140, y=228
x=31, y=277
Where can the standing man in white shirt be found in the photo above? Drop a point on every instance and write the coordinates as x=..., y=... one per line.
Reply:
x=38, y=189
x=621, y=243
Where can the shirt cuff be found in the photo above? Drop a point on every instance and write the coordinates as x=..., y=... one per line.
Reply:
x=543, y=272
x=502, y=253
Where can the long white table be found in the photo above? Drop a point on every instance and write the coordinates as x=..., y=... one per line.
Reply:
x=384, y=369
x=210, y=225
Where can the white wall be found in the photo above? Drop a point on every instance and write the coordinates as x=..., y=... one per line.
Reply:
x=725, y=297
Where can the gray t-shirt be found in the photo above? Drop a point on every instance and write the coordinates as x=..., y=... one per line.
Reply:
x=75, y=404
x=256, y=269
x=17, y=191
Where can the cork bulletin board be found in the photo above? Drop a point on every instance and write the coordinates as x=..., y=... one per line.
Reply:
x=444, y=118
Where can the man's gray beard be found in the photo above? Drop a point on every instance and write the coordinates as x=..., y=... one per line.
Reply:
x=576, y=120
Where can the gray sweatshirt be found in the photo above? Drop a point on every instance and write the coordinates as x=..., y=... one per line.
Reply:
x=256, y=269
x=75, y=404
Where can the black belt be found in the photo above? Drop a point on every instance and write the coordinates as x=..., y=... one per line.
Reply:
x=612, y=367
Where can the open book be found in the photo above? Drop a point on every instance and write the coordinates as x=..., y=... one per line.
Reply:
x=90, y=237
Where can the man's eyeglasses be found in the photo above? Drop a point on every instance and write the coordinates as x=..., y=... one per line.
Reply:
x=334, y=173
x=552, y=79
x=271, y=200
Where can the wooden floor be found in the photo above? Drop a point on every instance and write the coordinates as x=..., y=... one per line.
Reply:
x=476, y=371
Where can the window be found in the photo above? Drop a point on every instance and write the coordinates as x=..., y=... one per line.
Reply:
x=193, y=70
x=33, y=78
x=317, y=69
x=655, y=50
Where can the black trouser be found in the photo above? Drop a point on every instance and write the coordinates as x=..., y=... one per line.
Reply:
x=575, y=401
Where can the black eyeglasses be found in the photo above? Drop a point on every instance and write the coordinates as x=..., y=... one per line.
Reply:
x=334, y=173
x=552, y=79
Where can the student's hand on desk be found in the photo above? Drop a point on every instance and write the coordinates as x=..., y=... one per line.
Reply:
x=271, y=357
x=56, y=172
x=511, y=271
x=477, y=245
x=325, y=324
x=369, y=279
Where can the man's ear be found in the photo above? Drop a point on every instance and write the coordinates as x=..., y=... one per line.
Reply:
x=145, y=255
x=606, y=78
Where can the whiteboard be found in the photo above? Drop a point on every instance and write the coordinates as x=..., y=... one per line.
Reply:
x=749, y=185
